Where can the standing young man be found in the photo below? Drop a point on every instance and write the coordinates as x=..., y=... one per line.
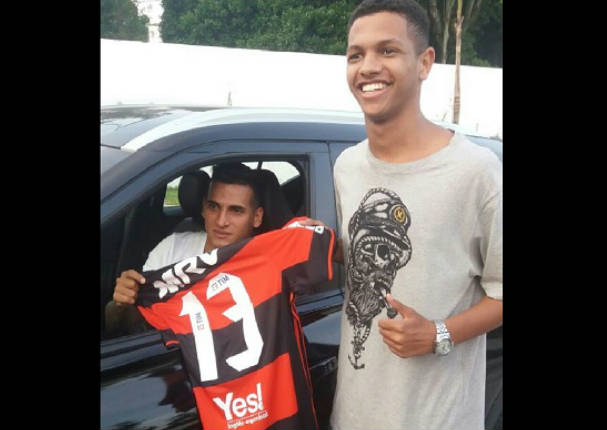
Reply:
x=422, y=233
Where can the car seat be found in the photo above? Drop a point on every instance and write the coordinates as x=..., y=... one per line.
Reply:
x=293, y=190
x=193, y=189
x=142, y=231
x=276, y=208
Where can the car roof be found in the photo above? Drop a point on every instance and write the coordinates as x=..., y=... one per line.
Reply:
x=132, y=128
x=120, y=124
x=126, y=129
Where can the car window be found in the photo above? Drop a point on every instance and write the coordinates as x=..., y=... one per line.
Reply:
x=171, y=195
x=284, y=171
x=171, y=198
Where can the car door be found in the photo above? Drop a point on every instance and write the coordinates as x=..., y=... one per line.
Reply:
x=142, y=384
x=320, y=311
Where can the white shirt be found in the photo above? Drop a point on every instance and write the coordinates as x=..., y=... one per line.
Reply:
x=174, y=248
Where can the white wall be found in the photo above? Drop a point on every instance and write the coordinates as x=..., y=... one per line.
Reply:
x=138, y=72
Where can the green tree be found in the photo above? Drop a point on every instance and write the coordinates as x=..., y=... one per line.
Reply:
x=482, y=44
x=287, y=25
x=459, y=21
x=440, y=25
x=443, y=22
x=319, y=26
x=170, y=26
x=119, y=20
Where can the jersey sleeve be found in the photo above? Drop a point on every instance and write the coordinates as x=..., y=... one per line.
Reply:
x=315, y=245
x=150, y=301
x=169, y=338
x=155, y=316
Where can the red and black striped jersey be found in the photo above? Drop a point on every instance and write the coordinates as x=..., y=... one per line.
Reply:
x=232, y=312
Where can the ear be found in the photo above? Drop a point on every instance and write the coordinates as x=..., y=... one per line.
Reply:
x=425, y=62
x=258, y=218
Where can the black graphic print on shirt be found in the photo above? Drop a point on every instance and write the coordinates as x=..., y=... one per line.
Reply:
x=379, y=247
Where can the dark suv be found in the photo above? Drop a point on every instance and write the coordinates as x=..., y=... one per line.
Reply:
x=145, y=152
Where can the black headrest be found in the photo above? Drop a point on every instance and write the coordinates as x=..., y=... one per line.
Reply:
x=276, y=211
x=192, y=189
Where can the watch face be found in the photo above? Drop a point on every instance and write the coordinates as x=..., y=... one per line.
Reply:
x=443, y=347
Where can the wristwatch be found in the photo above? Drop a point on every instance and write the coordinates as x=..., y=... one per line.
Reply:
x=443, y=343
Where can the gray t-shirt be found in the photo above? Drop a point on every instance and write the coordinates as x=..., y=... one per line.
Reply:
x=430, y=233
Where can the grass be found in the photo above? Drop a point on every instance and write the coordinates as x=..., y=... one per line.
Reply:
x=171, y=198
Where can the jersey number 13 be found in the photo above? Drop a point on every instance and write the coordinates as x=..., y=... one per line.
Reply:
x=203, y=337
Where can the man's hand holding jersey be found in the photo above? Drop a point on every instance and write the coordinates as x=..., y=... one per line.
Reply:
x=127, y=287
x=338, y=253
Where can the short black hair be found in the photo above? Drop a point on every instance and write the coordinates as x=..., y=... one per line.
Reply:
x=418, y=22
x=231, y=172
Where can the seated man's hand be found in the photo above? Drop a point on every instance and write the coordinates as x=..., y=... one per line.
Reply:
x=338, y=254
x=312, y=222
x=127, y=287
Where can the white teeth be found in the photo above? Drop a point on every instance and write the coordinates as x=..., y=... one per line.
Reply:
x=373, y=87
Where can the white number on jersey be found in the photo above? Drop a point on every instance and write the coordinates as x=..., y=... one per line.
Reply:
x=203, y=338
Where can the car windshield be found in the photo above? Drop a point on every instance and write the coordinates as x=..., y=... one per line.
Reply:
x=120, y=124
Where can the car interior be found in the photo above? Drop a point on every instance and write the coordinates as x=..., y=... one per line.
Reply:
x=127, y=241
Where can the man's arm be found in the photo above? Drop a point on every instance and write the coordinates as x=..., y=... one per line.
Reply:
x=481, y=318
x=121, y=317
x=338, y=253
x=413, y=335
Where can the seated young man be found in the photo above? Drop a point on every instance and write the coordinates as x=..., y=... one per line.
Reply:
x=230, y=306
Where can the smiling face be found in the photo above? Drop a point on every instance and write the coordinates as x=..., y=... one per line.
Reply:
x=229, y=214
x=384, y=70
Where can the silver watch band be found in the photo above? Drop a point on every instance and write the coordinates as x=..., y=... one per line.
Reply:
x=441, y=327
x=443, y=343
